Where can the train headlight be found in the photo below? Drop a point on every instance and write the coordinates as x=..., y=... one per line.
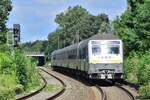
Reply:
x=103, y=76
x=121, y=76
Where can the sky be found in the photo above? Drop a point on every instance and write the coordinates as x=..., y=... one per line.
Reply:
x=37, y=17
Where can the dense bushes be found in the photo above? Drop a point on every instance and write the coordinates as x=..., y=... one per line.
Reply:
x=21, y=68
x=137, y=70
x=17, y=73
x=145, y=90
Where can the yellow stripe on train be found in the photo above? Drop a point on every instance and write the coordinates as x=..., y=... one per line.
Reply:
x=96, y=61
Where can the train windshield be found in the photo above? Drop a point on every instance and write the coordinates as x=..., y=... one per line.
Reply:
x=96, y=50
x=113, y=49
x=105, y=47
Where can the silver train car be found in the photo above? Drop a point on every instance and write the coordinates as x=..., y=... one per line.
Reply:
x=99, y=57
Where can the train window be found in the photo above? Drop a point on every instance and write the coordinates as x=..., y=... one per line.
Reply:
x=113, y=49
x=83, y=53
x=72, y=54
x=96, y=50
x=54, y=57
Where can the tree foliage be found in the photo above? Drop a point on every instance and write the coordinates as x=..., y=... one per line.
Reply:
x=137, y=70
x=36, y=46
x=134, y=25
x=17, y=73
x=5, y=8
x=74, y=25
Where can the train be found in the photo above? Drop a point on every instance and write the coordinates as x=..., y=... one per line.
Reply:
x=98, y=57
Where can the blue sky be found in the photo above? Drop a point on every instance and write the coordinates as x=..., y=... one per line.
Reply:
x=37, y=16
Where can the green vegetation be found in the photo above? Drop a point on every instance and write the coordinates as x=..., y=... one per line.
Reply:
x=36, y=46
x=76, y=24
x=17, y=74
x=52, y=88
x=5, y=8
x=137, y=70
x=133, y=27
x=138, y=65
x=144, y=90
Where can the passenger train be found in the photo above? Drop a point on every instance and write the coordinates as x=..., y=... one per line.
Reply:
x=99, y=57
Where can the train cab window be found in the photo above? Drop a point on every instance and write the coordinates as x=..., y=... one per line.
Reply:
x=96, y=50
x=113, y=49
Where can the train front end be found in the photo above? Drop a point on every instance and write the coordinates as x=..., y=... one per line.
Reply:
x=105, y=59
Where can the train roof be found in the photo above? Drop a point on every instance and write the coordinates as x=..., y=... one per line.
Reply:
x=108, y=36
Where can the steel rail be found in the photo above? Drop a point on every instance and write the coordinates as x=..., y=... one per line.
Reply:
x=124, y=89
x=103, y=93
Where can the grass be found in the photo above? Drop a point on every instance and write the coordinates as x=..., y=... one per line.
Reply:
x=52, y=88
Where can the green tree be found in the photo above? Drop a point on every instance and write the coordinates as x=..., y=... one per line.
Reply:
x=72, y=22
x=134, y=29
x=36, y=46
x=142, y=25
x=5, y=8
x=76, y=24
x=134, y=26
x=77, y=20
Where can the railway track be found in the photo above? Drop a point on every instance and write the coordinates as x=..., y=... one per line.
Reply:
x=111, y=92
x=103, y=93
x=125, y=90
x=38, y=92
x=115, y=92
x=60, y=92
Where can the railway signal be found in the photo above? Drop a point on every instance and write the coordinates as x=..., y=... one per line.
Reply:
x=16, y=32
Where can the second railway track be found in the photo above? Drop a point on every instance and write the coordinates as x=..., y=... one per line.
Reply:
x=38, y=94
